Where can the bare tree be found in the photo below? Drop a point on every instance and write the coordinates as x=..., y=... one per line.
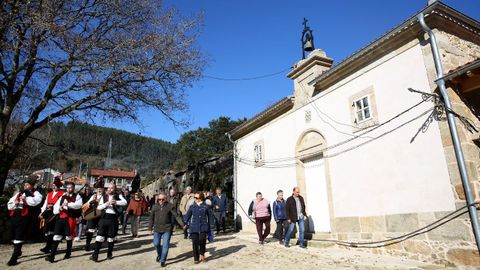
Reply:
x=88, y=59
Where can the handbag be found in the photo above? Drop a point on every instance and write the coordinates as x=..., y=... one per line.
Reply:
x=210, y=236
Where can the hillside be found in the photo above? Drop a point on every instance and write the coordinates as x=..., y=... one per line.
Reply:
x=79, y=142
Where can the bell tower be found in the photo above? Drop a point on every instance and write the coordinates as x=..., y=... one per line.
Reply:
x=308, y=68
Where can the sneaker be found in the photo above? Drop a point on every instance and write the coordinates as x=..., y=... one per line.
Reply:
x=287, y=245
x=76, y=239
x=303, y=246
x=281, y=242
x=260, y=242
x=162, y=264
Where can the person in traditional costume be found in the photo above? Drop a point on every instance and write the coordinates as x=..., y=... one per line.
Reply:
x=47, y=213
x=108, y=224
x=20, y=213
x=65, y=222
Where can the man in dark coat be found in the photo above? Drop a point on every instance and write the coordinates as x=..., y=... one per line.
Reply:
x=160, y=225
x=295, y=209
x=220, y=208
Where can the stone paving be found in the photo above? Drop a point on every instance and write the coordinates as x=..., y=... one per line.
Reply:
x=229, y=251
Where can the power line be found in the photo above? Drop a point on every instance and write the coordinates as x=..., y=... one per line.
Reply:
x=285, y=165
x=285, y=159
x=318, y=111
x=247, y=78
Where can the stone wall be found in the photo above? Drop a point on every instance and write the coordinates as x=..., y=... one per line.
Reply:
x=450, y=244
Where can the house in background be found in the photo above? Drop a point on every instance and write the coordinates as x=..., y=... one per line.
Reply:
x=46, y=175
x=374, y=160
x=122, y=179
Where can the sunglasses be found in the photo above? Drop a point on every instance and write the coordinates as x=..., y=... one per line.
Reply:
x=161, y=199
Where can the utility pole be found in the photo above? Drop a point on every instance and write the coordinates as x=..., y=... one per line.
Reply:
x=108, y=162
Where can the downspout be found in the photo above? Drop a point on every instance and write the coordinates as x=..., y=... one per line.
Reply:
x=235, y=211
x=453, y=130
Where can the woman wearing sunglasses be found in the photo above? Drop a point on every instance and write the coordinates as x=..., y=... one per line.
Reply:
x=200, y=221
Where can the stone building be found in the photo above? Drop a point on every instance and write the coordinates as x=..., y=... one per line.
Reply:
x=373, y=159
x=205, y=175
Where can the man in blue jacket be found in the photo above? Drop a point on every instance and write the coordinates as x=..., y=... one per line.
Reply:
x=220, y=210
x=280, y=216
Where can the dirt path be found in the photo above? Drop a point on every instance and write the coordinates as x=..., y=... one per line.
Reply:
x=229, y=251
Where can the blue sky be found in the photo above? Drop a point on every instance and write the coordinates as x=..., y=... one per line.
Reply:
x=252, y=38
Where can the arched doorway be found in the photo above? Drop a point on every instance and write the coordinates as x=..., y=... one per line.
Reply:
x=312, y=179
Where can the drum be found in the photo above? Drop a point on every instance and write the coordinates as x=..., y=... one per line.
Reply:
x=90, y=211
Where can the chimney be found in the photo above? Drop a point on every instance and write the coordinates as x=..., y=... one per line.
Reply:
x=305, y=71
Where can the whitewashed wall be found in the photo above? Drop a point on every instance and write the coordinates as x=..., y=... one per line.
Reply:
x=387, y=176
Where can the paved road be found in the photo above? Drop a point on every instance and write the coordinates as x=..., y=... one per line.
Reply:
x=229, y=251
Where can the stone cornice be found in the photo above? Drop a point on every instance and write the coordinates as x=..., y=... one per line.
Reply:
x=438, y=16
x=308, y=63
x=260, y=119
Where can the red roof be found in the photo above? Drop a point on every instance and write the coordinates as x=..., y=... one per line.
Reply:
x=111, y=173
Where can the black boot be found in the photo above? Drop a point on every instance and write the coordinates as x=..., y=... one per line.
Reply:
x=96, y=251
x=48, y=245
x=17, y=250
x=53, y=252
x=20, y=249
x=68, y=253
x=88, y=241
x=110, y=251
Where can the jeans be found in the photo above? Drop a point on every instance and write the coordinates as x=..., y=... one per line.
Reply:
x=199, y=240
x=301, y=229
x=162, y=248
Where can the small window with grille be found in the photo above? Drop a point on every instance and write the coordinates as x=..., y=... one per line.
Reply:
x=258, y=149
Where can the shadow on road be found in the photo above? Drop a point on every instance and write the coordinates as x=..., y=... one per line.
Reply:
x=215, y=253
x=223, y=239
x=220, y=253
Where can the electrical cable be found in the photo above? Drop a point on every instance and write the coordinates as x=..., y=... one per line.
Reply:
x=354, y=138
x=272, y=162
x=247, y=78
x=246, y=214
x=318, y=111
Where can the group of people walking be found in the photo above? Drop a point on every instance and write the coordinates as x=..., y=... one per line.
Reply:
x=65, y=214
x=197, y=213
x=286, y=213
